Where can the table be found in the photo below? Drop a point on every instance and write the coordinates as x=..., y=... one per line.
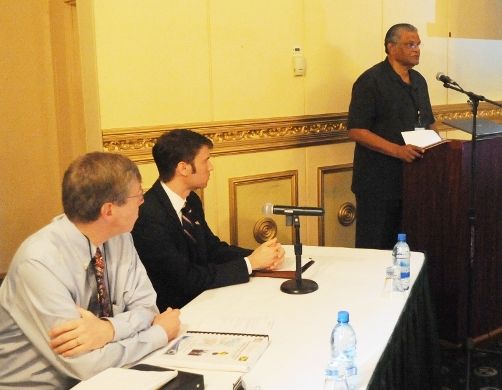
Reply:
x=396, y=333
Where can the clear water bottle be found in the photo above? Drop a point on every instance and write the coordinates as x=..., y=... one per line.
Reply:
x=401, y=263
x=395, y=271
x=342, y=370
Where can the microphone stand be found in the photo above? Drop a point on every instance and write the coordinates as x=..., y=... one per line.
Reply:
x=297, y=285
x=473, y=101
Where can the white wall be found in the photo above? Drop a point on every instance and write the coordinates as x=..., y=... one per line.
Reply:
x=183, y=61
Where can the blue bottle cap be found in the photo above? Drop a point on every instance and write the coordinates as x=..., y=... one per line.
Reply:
x=401, y=237
x=343, y=316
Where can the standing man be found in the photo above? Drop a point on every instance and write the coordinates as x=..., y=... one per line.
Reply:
x=76, y=299
x=387, y=99
x=180, y=252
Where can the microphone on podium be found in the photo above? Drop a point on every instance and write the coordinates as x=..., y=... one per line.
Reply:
x=269, y=208
x=440, y=76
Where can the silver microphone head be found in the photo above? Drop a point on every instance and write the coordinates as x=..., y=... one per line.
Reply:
x=268, y=209
x=438, y=75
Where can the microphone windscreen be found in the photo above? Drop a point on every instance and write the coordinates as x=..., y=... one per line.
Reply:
x=268, y=209
x=438, y=75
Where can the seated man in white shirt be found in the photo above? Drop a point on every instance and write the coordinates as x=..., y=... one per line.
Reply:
x=76, y=299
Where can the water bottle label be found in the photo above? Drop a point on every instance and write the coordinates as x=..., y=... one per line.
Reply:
x=404, y=264
x=340, y=372
x=331, y=371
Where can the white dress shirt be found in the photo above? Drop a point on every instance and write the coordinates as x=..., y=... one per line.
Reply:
x=177, y=201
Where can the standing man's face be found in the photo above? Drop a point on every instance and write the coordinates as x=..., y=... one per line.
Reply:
x=407, y=50
x=200, y=169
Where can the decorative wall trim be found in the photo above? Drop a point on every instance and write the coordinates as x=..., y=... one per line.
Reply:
x=463, y=111
x=237, y=136
x=264, y=229
x=347, y=214
x=259, y=135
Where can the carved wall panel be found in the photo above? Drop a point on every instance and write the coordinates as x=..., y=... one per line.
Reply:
x=248, y=194
x=337, y=226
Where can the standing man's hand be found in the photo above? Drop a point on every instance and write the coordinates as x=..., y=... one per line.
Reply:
x=409, y=153
x=82, y=335
x=370, y=140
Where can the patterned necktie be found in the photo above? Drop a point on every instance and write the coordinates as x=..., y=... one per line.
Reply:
x=187, y=223
x=103, y=298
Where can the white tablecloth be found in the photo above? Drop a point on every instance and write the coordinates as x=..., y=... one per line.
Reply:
x=349, y=279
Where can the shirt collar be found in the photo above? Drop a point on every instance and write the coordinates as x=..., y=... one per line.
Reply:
x=396, y=77
x=177, y=201
x=69, y=230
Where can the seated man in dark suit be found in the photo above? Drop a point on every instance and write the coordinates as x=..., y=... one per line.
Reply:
x=181, y=254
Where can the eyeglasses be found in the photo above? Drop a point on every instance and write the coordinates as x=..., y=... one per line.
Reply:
x=140, y=195
x=411, y=45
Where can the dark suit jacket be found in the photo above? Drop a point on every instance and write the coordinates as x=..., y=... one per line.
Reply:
x=178, y=269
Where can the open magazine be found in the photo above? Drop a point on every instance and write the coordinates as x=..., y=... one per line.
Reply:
x=214, y=350
x=222, y=343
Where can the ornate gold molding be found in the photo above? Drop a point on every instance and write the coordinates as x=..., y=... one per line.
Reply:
x=463, y=111
x=264, y=134
x=237, y=136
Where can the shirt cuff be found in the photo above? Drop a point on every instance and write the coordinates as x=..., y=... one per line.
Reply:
x=159, y=338
x=118, y=332
x=248, y=264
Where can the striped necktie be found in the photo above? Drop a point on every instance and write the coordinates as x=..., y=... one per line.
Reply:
x=99, y=265
x=187, y=223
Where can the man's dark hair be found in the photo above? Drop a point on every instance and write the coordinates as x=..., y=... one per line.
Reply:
x=175, y=146
x=394, y=33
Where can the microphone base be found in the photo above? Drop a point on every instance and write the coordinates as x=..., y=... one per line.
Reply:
x=302, y=286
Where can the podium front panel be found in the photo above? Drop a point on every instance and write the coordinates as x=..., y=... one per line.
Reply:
x=436, y=207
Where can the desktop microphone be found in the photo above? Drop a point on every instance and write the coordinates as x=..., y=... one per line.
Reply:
x=440, y=76
x=269, y=208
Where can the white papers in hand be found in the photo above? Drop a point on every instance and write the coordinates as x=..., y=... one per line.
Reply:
x=422, y=138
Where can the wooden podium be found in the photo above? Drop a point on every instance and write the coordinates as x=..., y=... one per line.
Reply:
x=436, y=207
